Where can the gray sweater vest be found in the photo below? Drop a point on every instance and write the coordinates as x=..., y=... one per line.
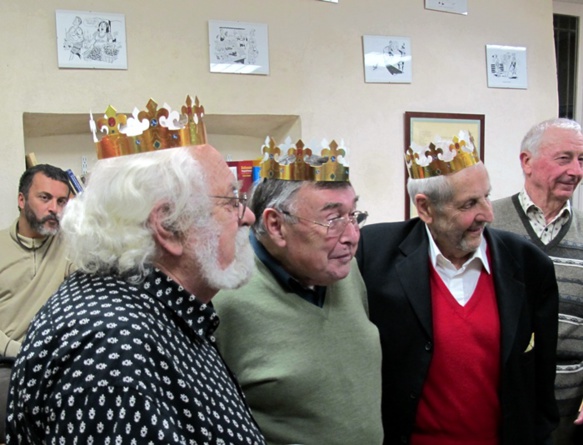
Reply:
x=566, y=251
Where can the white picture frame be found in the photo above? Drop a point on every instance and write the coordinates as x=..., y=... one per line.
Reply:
x=93, y=40
x=238, y=47
x=453, y=6
x=387, y=59
x=506, y=66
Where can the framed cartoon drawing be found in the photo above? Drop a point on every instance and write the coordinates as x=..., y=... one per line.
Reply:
x=506, y=66
x=387, y=59
x=92, y=40
x=238, y=47
x=453, y=6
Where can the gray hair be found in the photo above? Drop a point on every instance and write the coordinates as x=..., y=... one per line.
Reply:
x=532, y=140
x=106, y=227
x=280, y=195
x=437, y=188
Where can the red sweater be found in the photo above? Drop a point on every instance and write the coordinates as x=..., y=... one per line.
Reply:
x=459, y=403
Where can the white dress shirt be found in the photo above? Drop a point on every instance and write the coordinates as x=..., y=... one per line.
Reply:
x=461, y=282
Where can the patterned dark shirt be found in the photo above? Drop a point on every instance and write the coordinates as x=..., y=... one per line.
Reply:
x=108, y=362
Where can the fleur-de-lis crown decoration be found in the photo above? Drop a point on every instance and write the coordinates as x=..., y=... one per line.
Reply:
x=442, y=157
x=147, y=130
x=296, y=162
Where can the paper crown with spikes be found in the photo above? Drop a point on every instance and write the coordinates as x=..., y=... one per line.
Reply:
x=442, y=157
x=148, y=130
x=295, y=162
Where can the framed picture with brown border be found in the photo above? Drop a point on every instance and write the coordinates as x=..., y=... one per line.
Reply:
x=424, y=128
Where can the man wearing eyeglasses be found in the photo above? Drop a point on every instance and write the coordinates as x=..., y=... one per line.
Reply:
x=124, y=351
x=297, y=335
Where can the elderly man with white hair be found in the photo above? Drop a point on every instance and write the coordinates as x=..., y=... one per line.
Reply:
x=466, y=314
x=124, y=351
x=551, y=157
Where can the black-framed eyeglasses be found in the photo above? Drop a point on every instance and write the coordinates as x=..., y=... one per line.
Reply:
x=239, y=202
x=336, y=226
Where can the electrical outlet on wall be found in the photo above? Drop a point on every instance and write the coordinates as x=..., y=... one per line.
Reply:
x=83, y=165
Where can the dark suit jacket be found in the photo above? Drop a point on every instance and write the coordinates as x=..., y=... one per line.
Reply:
x=394, y=260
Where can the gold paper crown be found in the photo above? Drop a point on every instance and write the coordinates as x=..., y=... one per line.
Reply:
x=442, y=157
x=148, y=130
x=297, y=163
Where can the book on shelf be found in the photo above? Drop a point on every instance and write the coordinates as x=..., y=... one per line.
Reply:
x=76, y=185
x=30, y=160
x=243, y=171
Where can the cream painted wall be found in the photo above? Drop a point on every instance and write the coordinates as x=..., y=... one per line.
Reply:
x=316, y=73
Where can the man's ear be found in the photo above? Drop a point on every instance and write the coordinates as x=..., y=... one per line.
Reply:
x=526, y=162
x=169, y=241
x=21, y=201
x=424, y=208
x=273, y=222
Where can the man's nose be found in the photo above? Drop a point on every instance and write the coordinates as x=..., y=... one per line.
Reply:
x=248, y=218
x=575, y=168
x=486, y=213
x=53, y=206
x=351, y=233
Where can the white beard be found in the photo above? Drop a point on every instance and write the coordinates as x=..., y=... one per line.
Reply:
x=235, y=274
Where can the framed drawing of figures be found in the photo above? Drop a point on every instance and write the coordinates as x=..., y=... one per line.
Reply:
x=506, y=66
x=92, y=40
x=238, y=47
x=453, y=6
x=387, y=59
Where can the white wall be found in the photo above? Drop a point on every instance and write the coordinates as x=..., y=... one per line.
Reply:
x=316, y=74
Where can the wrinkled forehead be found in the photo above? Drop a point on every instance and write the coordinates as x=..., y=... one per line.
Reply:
x=561, y=139
x=324, y=196
x=472, y=180
x=42, y=183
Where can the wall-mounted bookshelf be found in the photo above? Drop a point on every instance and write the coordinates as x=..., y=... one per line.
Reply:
x=65, y=140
